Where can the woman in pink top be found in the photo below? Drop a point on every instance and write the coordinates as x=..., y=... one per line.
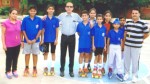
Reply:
x=11, y=40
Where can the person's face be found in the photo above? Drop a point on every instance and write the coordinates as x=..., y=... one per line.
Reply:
x=50, y=10
x=116, y=26
x=69, y=7
x=122, y=21
x=13, y=14
x=135, y=14
x=107, y=16
x=92, y=14
x=32, y=12
x=85, y=17
x=99, y=20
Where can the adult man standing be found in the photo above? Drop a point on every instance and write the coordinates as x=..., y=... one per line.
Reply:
x=69, y=22
x=135, y=33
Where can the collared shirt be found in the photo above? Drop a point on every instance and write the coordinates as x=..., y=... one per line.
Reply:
x=50, y=26
x=99, y=34
x=31, y=27
x=115, y=37
x=84, y=35
x=69, y=23
x=12, y=33
x=135, y=33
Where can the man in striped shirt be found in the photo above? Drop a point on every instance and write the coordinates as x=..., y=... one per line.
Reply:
x=135, y=32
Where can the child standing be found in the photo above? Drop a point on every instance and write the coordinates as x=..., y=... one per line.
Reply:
x=83, y=30
x=50, y=32
x=108, y=24
x=98, y=45
x=92, y=20
x=31, y=27
x=114, y=44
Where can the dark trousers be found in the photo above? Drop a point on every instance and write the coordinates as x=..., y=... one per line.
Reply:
x=67, y=42
x=12, y=54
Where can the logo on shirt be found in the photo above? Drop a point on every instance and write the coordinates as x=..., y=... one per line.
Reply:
x=103, y=34
x=88, y=33
x=119, y=39
x=53, y=26
x=37, y=26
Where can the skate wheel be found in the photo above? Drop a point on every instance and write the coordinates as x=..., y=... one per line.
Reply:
x=45, y=74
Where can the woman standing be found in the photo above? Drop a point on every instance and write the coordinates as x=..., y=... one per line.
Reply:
x=11, y=40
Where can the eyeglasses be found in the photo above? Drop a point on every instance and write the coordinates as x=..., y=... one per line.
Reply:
x=69, y=6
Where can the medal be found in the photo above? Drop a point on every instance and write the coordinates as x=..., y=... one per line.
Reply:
x=16, y=37
x=129, y=35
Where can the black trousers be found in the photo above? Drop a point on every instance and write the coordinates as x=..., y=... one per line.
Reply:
x=12, y=54
x=67, y=42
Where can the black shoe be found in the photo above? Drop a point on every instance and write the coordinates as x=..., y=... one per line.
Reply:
x=62, y=74
x=71, y=74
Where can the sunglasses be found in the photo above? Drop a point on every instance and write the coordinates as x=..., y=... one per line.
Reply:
x=69, y=6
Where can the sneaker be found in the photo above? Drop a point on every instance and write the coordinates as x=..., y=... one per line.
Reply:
x=134, y=79
x=120, y=77
x=110, y=73
x=15, y=74
x=126, y=77
x=9, y=75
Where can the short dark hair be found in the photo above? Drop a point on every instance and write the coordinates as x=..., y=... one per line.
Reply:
x=121, y=17
x=99, y=15
x=85, y=12
x=92, y=9
x=11, y=9
x=50, y=5
x=137, y=9
x=32, y=7
x=108, y=11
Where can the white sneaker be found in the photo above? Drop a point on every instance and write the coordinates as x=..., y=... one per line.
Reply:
x=134, y=79
x=126, y=77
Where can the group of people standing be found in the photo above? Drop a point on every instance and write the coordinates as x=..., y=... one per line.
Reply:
x=96, y=34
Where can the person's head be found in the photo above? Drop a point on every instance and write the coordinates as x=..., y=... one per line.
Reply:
x=85, y=15
x=107, y=15
x=92, y=13
x=122, y=20
x=13, y=13
x=99, y=18
x=69, y=7
x=50, y=9
x=116, y=23
x=32, y=10
x=135, y=14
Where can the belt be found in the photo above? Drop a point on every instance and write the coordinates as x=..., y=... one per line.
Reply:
x=68, y=35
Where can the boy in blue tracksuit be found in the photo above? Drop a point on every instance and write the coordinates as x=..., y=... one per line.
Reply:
x=50, y=32
x=98, y=44
x=84, y=30
x=114, y=44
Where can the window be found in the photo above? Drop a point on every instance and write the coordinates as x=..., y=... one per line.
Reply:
x=5, y=2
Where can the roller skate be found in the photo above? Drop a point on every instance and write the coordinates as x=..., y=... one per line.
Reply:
x=85, y=71
x=94, y=72
x=34, y=73
x=26, y=72
x=99, y=73
x=89, y=68
x=51, y=73
x=45, y=73
x=80, y=72
x=103, y=71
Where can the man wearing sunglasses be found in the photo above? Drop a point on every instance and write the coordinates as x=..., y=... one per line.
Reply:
x=69, y=21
